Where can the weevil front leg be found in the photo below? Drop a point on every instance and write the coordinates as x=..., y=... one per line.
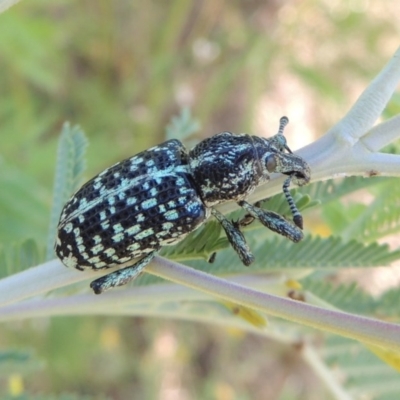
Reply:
x=235, y=238
x=274, y=222
x=121, y=276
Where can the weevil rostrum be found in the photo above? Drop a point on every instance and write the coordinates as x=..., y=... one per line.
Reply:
x=157, y=197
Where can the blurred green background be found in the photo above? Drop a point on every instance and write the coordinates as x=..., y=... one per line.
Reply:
x=121, y=70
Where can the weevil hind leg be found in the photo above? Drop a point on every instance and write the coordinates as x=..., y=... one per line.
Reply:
x=121, y=276
x=235, y=238
x=274, y=222
x=212, y=257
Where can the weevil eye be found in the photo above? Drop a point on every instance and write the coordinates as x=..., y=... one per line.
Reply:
x=270, y=162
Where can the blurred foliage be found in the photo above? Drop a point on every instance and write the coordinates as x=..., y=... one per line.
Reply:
x=121, y=70
x=68, y=176
x=362, y=368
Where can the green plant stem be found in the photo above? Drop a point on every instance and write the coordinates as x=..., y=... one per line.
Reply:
x=356, y=327
x=37, y=280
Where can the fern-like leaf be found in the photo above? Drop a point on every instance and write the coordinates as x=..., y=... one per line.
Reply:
x=381, y=217
x=388, y=303
x=18, y=257
x=377, y=219
x=69, y=169
x=200, y=244
x=273, y=252
x=362, y=370
x=334, y=189
x=23, y=205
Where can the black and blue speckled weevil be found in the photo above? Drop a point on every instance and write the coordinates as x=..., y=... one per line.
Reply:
x=162, y=194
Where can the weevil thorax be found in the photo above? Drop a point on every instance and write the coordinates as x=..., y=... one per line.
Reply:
x=228, y=167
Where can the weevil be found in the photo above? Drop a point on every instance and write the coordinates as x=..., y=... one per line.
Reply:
x=157, y=197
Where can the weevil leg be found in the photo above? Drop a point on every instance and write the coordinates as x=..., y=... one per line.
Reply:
x=274, y=221
x=248, y=219
x=212, y=257
x=121, y=276
x=235, y=237
x=297, y=218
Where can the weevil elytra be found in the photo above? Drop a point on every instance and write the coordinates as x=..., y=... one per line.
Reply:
x=157, y=197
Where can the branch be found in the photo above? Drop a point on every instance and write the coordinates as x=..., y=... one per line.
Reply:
x=351, y=147
x=356, y=327
x=5, y=4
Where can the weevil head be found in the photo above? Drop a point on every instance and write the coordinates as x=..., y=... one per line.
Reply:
x=277, y=160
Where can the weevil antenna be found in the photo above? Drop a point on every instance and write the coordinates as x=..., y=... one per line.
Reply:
x=282, y=123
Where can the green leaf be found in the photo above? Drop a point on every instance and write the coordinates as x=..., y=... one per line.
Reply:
x=361, y=370
x=273, y=252
x=388, y=303
x=334, y=189
x=340, y=216
x=380, y=218
x=17, y=257
x=200, y=244
x=368, y=220
x=69, y=169
x=23, y=206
